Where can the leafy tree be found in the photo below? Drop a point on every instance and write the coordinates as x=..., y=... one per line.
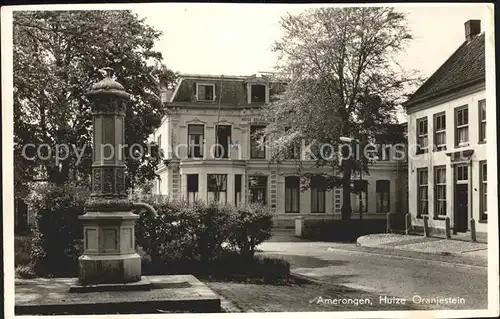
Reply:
x=343, y=81
x=57, y=57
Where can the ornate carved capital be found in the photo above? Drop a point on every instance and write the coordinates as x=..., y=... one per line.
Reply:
x=108, y=180
x=107, y=103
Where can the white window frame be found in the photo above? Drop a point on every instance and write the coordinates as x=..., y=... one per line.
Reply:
x=422, y=136
x=192, y=154
x=192, y=196
x=238, y=195
x=482, y=133
x=290, y=194
x=439, y=185
x=422, y=184
x=318, y=195
x=249, y=92
x=265, y=92
x=457, y=174
x=222, y=193
x=255, y=143
x=441, y=131
x=226, y=152
x=264, y=188
x=483, y=191
x=461, y=126
x=205, y=84
x=380, y=196
x=364, y=197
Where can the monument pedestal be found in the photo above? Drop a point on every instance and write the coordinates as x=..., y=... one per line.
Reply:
x=109, y=250
x=109, y=269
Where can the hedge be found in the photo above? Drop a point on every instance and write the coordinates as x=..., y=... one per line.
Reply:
x=181, y=238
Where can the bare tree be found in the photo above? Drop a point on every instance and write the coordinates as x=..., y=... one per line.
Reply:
x=343, y=80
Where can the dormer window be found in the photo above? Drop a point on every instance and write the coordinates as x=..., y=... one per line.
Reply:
x=257, y=87
x=205, y=92
x=258, y=93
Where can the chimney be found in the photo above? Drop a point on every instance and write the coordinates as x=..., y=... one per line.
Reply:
x=472, y=28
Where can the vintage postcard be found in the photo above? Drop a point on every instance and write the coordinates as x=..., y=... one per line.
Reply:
x=277, y=160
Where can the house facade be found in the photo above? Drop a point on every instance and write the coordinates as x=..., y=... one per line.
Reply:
x=447, y=165
x=204, y=111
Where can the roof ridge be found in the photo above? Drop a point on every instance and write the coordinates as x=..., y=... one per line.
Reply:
x=439, y=80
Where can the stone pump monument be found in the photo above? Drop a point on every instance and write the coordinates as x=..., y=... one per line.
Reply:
x=109, y=257
x=110, y=263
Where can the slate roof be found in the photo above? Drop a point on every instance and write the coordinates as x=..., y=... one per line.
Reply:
x=465, y=67
x=233, y=93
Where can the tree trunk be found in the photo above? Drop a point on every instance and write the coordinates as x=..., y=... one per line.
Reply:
x=63, y=175
x=346, y=181
x=346, y=192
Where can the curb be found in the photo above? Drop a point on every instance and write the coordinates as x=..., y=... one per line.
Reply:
x=387, y=253
x=306, y=278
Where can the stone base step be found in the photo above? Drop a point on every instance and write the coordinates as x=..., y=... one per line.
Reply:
x=143, y=284
x=168, y=294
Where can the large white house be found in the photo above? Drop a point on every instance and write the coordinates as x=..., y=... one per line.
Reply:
x=206, y=110
x=447, y=141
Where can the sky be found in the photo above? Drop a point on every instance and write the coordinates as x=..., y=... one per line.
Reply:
x=236, y=39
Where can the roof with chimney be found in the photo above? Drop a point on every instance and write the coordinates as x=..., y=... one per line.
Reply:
x=464, y=68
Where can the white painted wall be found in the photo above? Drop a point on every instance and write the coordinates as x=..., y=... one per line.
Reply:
x=241, y=163
x=432, y=159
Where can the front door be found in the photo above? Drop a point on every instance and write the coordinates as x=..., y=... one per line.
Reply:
x=461, y=207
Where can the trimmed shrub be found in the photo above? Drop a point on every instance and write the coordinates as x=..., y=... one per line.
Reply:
x=233, y=265
x=270, y=268
x=251, y=225
x=25, y=271
x=57, y=233
x=214, y=229
x=183, y=232
x=181, y=239
x=190, y=239
x=22, y=250
x=342, y=230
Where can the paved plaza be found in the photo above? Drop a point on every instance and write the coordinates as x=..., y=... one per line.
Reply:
x=432, y=245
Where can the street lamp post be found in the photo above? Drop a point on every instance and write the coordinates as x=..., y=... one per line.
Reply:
x=360, y=192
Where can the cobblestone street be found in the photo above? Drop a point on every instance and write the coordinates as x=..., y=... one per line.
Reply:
x=264, y=298
x=347, y=273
